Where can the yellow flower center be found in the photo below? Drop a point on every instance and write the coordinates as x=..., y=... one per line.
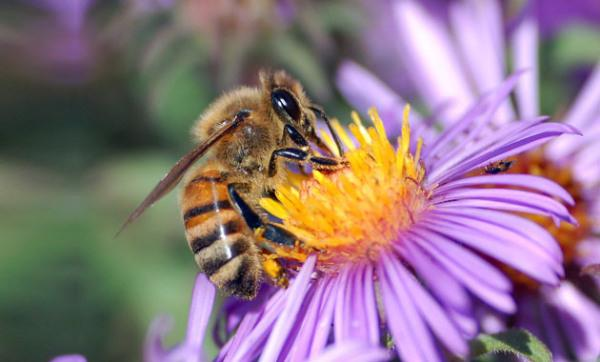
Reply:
x=352, y=214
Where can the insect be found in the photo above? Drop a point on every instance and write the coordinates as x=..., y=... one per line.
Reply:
x=498, y=167
x=246, y=136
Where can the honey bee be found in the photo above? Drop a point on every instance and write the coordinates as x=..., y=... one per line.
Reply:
x=498, y=167
x=246, y=136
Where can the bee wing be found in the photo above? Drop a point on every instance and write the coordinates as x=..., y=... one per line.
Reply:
x=172, y=178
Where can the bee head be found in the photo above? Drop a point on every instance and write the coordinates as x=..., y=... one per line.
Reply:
x=287, y=99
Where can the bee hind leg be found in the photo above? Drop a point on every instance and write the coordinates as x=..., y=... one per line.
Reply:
x=267, y=231
x=271, y=265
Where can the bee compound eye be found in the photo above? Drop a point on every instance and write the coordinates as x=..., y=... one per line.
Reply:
x=285, y=103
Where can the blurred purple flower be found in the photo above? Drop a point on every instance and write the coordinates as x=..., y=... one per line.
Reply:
x=58, y=47
x=421, y=261
x=68, y=14
x=553, y=15
x=149, y=6
x=460, y=57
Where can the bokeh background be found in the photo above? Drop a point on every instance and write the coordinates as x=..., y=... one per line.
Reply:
x=96, y=102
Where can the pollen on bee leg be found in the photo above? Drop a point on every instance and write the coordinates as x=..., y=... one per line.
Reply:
x=274, y=270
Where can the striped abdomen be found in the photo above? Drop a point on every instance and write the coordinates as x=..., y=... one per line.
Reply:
x=222, y=243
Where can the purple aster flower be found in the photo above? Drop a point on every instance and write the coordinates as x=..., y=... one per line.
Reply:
x=394, y=246
x=470, y=48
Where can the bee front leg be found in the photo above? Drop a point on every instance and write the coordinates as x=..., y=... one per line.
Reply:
x=301, y=157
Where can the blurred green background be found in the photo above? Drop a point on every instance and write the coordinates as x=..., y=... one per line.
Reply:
x=96, y=102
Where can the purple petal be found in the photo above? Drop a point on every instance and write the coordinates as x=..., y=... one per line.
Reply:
x=203, y=297
x=509, y=241
x=412, y=338
x=299, y=347
x=364, y=90
x=153, y=345
x=295, y=296
x=588, y=251
x=500, y=247
x=587, y=105
x=515, y=223
x=542, y=203
x=479, y=157
x=370, y=307
x=580, y=318
x=431, y=60
x=341, y=329
x=526, y=181
x=353, y=350
x=432, y=313
x=463, y=257
x=234, y=309
x=254, y=330
x=466, y=322
x=447, y=289
x=563, y=149
x=485, y=108
x=582, y=114
x=527, y=316
x=494, y=294
x=323, y=328
x=69, y=358
x=454, y=155
x=524, y=42
x=477, y=25
x=191, y=348
x=551, y=331
x=295, y=340
x=351, y=321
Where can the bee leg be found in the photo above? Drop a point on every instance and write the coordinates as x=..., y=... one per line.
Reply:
x=250, y=216
x=319, y=112
x=271, y=265
x=275, y=271
x=296, y=137
x=301, y=156
x=268, y=231
x=299, y=139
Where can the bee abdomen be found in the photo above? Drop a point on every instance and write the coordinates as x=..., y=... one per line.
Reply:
x=222, y=243
x=220, y=252
x=220, y=231
x=240, y=277
x=230, y=261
